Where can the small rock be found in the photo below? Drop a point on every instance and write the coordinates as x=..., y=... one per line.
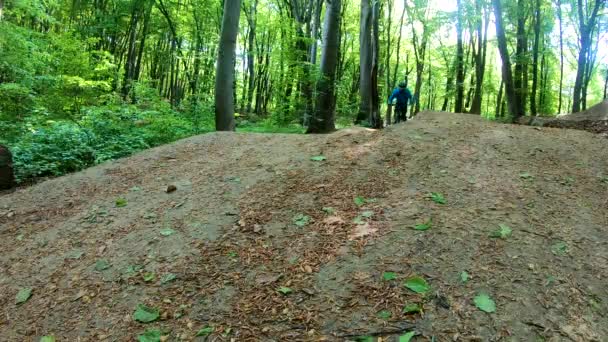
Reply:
x=171, y=188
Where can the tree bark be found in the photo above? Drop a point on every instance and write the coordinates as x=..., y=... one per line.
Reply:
x=533, y=109
x=585, y=28
x=606, y=85
x=224, y=98
x=499, y=98
x=561, y=55
x=520, y=78
x=365, y=62
x=375, y=119
x=511, y=95
x=323, y=117
x=388, y=59
x=459, y=106
x=251, y=18
x=480, y=57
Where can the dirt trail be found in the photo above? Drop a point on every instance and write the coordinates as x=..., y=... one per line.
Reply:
x=253, y=214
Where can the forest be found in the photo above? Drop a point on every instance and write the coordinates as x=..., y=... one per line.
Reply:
x=85, y=81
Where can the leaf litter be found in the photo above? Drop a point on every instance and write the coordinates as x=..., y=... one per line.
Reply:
x=332, y=271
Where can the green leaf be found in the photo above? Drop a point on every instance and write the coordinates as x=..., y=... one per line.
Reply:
x=146, y=314
x=388, y=276
x=407, y=337
x=101, y=265
x=559, y=248
x=438, y=198
x=152, y=335
x=149, y=276
x=364, y=339
x=132, y=269
x=23, y=295
x=384, y=314
x=284, y=290
x=424, y=226
x=412, y=308
x=48, y=338
x=329, y=210
x=525, y=175
x=318, y=158
x=301, y=220
x=358, y=220
x=367, y=214
x=464, y=276
x=168, y=278
x=417, y=284
x=167, y=232
x=359, y=200
x=121, y=202
x=484, y=303
x=74, y=255
x=206, y=331
x=503, y=232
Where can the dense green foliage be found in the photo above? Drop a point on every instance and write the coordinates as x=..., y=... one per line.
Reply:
x=84, y=82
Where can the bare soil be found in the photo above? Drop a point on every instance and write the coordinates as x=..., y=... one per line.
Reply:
x=247, y=219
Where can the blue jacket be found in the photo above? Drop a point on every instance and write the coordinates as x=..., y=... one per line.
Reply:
x=403, y=96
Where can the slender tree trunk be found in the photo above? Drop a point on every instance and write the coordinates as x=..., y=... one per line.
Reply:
x=131, y=49
x=606, y=85
x=398, y=51
x=511, y=95
x=224, y=97
x=585, y=31
x=561, y=55
x=459, y=62
x=365, y=62
x=250, y=53
x=480, y=58
x=315, y=31
x=375, y=119
x=520, y=57
x=499, y=98
x=533, y=109
x=388, y=59
x=323, y=118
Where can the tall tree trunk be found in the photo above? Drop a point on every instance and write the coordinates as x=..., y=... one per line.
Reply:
x=375, y=119
x=315, y=31
x=250, y=53
x=459, y=107
x=224, y=97
x=323, y=117
x=499, y=98
x=585, y=30
x=388, y=59
x=533, y=109
x=398, y=51
x=480, y=57
x=511, y=95
x=561, y=55
x=365, y=62
x=521, y=66
x=606, y=85
x=131, y=49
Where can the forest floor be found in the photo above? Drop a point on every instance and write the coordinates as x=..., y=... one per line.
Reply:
x=261, y=243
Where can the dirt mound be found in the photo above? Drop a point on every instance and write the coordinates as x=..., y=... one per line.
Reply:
x=261, y=242
x=595, y=113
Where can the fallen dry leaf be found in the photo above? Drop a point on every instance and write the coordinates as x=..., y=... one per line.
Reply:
x=362, y=230
x=333, y=220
